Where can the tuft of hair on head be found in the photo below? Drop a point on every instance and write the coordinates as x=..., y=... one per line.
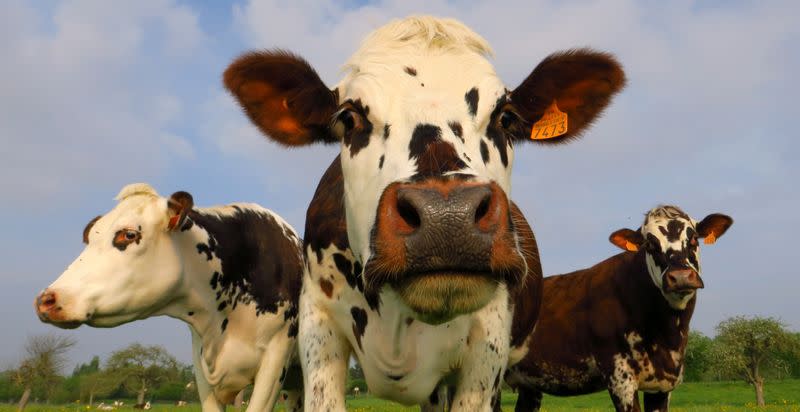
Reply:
x=420, y=33
x=136, y=189
x=665, y=212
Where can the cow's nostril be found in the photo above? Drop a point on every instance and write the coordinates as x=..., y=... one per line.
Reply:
x=483, y=207
x=408, y=213
x=49, y=300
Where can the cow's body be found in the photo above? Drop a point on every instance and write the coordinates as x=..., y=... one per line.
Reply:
x=234, y=279
x=403, y=358
x=417, y=262
x=610, y=327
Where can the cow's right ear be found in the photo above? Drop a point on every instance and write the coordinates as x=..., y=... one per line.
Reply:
x=178, y=205
x=283, y=96
x=627, y=239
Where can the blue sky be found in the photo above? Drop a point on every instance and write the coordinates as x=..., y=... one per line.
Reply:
x=99, y=94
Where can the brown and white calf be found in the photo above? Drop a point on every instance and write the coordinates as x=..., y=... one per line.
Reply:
x=622, y=324
x=232, y=273
x=417, y=262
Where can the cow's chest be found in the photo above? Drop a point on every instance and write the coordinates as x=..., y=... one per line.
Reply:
x=402, y=358
x=657, y=368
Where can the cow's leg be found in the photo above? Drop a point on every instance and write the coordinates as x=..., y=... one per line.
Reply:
x=529, y=400
x=437, y=402
x=274, y=361
x=486, y=357
x=294, y=401
x=208, y=401
x=656, y=402
x=323, y=354
x=624, y=399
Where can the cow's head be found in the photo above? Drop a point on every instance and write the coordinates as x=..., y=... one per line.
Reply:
x=129, y=267
x=669, y=238
x=427, y=132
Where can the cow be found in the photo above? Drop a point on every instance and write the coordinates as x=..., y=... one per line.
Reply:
x=417, y=262
x=621, y=325
x=232, y=273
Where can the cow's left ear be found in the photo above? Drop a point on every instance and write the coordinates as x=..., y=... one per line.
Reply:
x=713, y=226
x=178, y=205
x=564, y=94
x=627, y=239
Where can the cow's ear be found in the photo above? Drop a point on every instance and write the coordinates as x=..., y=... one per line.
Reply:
x=713, y=226
x=564, y=94
x=627, y=239
x=283, y=96
x=178, y=205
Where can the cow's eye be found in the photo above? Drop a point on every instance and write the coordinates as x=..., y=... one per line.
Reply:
x=125, y=237
x=346, y=121
x=507, y=118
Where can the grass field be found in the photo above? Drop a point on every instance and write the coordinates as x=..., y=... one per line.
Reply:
x=690, y=397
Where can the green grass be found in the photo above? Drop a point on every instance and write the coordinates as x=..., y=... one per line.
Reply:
x=689, y=397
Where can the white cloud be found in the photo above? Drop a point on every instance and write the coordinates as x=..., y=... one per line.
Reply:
x=79, y=105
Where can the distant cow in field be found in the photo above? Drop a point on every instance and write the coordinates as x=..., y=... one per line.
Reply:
x=232, y=273
x=622, y=324
x=418, y=263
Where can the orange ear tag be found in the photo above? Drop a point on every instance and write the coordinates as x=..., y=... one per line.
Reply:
x=710, y=239
x=173, y=221
x=552, y=124
x=631, y=246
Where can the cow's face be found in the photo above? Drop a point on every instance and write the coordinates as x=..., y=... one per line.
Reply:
x=427, y=133
x=670, y=239
x=129, y=267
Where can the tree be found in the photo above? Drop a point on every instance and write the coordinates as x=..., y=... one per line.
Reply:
x=746, y=346
x=697, y=360
x=41, y=369
x=87, y=368
x=97, y=384
x=142, y=367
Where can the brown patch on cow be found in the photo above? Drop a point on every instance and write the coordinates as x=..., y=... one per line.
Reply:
x=326, y=286
x=282, y=95
x=439, y=158
x=527, y=296
x=88, y=228
x=325, y=217
x=359, y=323
x=410, y=70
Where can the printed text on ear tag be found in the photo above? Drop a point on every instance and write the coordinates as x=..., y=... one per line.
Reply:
x=552, y=124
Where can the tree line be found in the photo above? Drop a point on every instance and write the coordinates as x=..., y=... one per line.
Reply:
x=750, y=349
x=137, y=372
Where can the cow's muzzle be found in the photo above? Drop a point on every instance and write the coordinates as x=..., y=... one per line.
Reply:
x=444, y=246
x=682, y=281
x=49, y=310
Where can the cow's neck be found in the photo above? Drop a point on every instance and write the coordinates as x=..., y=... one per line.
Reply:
x=658, y=319
x=196, y=303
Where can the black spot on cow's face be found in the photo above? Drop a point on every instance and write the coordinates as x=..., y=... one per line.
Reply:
x=359, y=323
x=187, y=225
x=190, y=313
x=410, y=70
x=222, y=306
x=472, y=101
x=458, y=131
x=438, y=159
x=673, y=230
x=224, y=324
x=380, y=162
x=434, y=398
x=484, y=152
x=423, y=135
x=387, y=128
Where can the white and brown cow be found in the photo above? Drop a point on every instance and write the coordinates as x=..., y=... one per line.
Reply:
x=417, y=261
x=233, y=273
x=622, y=324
